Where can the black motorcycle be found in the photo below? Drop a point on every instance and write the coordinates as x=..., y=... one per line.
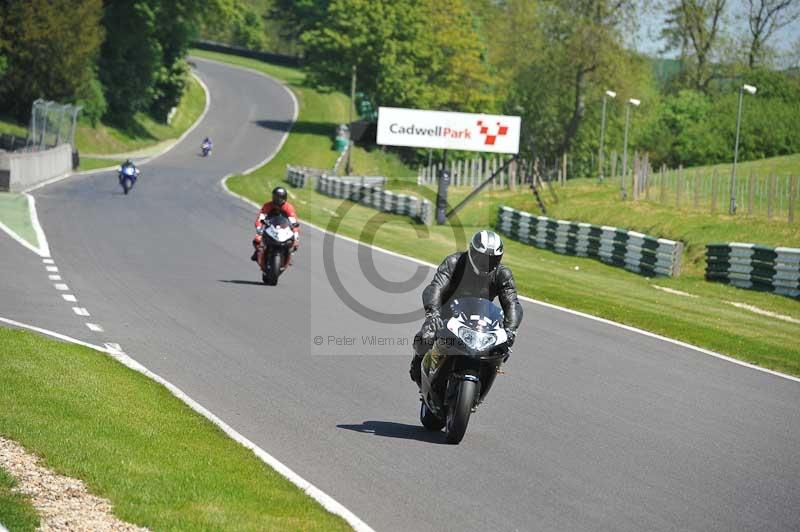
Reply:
x=460, y=368
x=277, y=239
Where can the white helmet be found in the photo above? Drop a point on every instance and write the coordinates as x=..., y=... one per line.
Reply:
x=485, y=252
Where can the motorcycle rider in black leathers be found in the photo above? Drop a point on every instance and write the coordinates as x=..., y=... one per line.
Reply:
x=476, y=272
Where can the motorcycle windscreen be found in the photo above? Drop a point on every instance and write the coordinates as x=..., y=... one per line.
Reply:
x=479, y=314
x=279, y=221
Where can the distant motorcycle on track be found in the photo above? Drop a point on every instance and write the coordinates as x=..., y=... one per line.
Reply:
x=127, y=174
x=206, y=147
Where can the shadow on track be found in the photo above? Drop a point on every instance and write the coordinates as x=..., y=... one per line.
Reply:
x=390, y=429
x=240, y=281
x=301, y=126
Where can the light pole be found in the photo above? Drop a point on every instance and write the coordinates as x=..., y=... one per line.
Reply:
x=610, y=94
x=348, y=168
x=633, y=102
x=751, y=90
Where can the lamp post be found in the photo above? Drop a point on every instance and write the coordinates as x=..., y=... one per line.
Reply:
x=750, y=90
x=633, y=102
x=610, y=94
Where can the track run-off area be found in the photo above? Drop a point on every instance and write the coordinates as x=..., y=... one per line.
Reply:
x=593, y=427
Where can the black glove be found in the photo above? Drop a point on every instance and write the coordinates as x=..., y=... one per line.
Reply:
x=433, y=320
x=511, y=334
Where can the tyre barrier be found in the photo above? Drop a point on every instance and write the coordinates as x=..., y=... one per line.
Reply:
x=631, y=250
x=755, y=267
x=369, y=191
x=301, y=176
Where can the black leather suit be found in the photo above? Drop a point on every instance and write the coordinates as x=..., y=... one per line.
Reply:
x=455, y=278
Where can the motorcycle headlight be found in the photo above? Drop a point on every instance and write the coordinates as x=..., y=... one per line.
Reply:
x=475, y=340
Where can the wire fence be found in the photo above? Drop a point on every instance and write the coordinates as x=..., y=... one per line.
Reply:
x=770, y=196
x=52, y=124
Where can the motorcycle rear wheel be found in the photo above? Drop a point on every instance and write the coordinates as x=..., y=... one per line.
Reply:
x=429, y=420
x=460, y=410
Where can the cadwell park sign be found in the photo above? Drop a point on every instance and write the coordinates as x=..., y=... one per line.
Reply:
x=449, y=131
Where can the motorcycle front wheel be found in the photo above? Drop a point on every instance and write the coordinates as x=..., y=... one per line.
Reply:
x=274, y=260
x=459, y=411
x=127, y=185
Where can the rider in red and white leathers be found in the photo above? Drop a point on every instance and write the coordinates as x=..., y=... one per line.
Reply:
x=278, y=205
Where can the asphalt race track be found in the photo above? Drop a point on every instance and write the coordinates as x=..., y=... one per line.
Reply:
x=593, y=428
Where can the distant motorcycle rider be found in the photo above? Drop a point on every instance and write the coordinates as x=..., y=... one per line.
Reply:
x=207, y=145
x=127, y=164
x=476, y=272
x=279, y=205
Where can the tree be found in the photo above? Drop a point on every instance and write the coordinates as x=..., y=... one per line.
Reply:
x=296, y=17
x=50, y=47
x=407, y=53
x=458, y=76
x=765, y=17
x=177, y=24
x=233, y=22
x=130, y=58
x=694, y=26
x=557, y=54
x=142, y=63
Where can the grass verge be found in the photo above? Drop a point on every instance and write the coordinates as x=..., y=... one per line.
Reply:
x=142, y=133
x=160, y=464
x=16, y=511
x=15, y=215
x=704, y=317
x=93, y=163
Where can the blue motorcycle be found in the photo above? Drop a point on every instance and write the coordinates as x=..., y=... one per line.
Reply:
x=127, y=177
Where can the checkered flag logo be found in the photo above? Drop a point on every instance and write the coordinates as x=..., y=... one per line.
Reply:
x=501, y=131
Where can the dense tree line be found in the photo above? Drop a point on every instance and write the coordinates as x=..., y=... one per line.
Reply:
x=552, y=60
x=114, y=57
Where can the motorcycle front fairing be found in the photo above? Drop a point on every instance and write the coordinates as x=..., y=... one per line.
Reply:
x=279, y=231
x=472, y=346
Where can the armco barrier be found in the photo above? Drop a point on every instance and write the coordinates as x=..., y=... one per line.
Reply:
x=369, y=192
x=280, y=59
x=755, y=267
x=633, y=251
x=21, y=170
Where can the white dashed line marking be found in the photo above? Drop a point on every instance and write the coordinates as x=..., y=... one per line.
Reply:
x=70, y=298
x=54, y=277
x=80, y=311
x=52, y=268
x=61, y=286
x=48, y=261
x=94, y=327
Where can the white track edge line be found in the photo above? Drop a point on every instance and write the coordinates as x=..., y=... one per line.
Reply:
x=44, y=247
x=309, y=489
x=10, y=232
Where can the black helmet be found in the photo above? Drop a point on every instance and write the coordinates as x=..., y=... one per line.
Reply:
x=485, y=252
x=279, y=196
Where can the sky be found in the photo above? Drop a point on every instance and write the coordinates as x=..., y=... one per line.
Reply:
x=647, y=39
